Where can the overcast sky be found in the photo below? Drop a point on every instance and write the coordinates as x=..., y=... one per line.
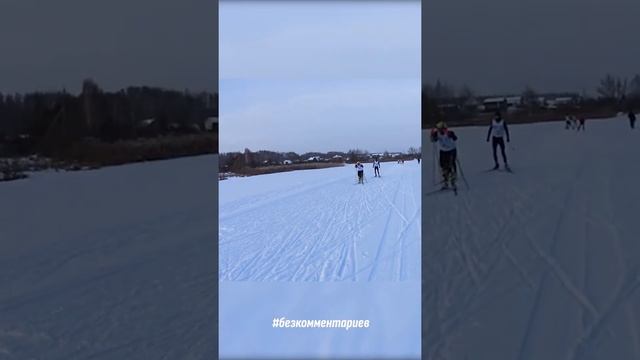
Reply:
x=319, y=76
x=54, y=44
x=498, y=46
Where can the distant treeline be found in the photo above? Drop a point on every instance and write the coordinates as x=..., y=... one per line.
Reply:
x=53, y=123
x=237, y=161
x=458, y=106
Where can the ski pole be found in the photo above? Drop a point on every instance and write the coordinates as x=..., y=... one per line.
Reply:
x=462, y=174
x=433, y=160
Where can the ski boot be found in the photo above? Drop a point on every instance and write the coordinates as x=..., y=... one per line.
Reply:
x=452, y=181
x=445, y=183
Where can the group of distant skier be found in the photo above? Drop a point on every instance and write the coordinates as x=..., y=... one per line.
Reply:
x=573, y=123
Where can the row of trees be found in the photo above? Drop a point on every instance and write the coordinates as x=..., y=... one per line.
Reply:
x=444, y=102
x=51, y=121
x=235, y=161
x=618, y=89
x=610, y=87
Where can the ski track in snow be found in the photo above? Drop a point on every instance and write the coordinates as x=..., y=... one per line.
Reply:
x=543, y=263
x=116, y=263
x=319, y=225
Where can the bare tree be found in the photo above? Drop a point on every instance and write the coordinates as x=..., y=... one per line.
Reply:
x=431, y=114
x=465, y=95
x=612, y=88
x=356, y=155
x=442, y=90
x=634, y=87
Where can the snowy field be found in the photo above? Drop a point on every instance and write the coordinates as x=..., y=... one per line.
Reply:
x=116, y=263
x=320, y=225
x=542, y=263
x=314, y=245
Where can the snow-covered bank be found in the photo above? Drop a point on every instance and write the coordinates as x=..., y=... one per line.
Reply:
x=111, y=263
x=542, y=263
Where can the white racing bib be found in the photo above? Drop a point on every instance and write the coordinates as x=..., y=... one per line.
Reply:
x=445, y=143
x=497, y=128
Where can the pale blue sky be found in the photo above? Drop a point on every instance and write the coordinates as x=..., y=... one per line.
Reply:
x=319, y=76
x=500, y=46
x=51, y=45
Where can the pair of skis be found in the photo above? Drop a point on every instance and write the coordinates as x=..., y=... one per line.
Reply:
x=444, y=188
x=506, y=169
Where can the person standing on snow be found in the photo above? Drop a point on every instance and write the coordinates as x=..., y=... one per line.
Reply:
x=360, y=170
x=632, y=119
x=497, y=131
x=574, y=122
x=581, y=123
x=446, y=140
x=376, y=168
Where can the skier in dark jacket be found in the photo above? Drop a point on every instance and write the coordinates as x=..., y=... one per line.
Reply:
x=360, y=170
x=581, y=123
x=376, y=168
x=497, y=131
x=446, y=140
x=632, y=119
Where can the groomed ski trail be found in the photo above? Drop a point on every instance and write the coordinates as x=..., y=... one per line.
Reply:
x=543, y=262
x=320, y=225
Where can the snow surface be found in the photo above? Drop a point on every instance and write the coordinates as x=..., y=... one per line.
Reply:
x=542, y=263
x=116, y=263
x=320, y=225
x=315, y=245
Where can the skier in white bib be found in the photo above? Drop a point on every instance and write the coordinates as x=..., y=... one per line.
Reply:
x=446, y=140
x=497, y=132
x=360, y=170
x=376, y=168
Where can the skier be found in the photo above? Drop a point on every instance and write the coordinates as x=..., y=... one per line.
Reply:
x=632, y=119
x=418, y=158
x=581, y=125
x=567, y=122
x=446, y=140
x=376, y=168
x=498, y=129
x=360, y=169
